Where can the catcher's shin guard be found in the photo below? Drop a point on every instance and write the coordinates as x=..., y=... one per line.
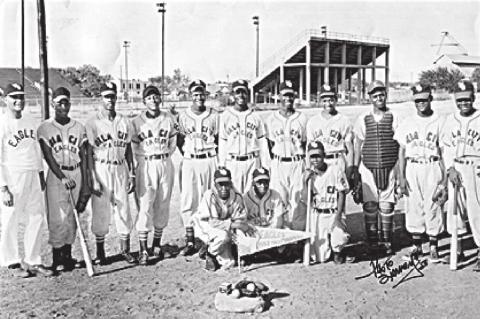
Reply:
x=370, y=210
x=386, y=217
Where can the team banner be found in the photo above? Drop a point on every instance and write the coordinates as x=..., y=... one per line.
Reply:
x=266, y=238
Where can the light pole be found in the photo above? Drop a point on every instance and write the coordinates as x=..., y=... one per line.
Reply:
x=126, y=45
x=256, y=22
x=162, y=10
x=23, y=44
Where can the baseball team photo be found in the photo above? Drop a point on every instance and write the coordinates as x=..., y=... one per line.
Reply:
x=234, y=159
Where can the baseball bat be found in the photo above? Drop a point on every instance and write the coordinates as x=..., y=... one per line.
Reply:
x=83, y=242
x=306, y=248
x=454, y=239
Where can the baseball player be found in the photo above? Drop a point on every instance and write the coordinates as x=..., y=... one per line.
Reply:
x=21, y=186
x=221, y=212
x=113, y=177
x=421, y=172
x=63, y=143
x=375, y=156
x=333, y=130
x=265, y=207
x=286, y=140
x=461, y=148
x=328, y=220
x=197, y=141
x=154, y=134
x=242, y=144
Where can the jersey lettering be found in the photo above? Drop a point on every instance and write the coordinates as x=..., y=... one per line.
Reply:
x=20, y=135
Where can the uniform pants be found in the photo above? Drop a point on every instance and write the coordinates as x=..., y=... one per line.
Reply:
x=286, y=178
x=219, y=240
x=328, y=235
x=196, y=177
x=242, y=172
x=155, y=179
x=370, y=191
x=61, y=221
x=423, y=214
x=28, y=206
x=468, y=200
x=113, y=201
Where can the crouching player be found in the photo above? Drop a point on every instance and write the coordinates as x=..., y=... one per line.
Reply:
x=220, y=213
x=327, y=215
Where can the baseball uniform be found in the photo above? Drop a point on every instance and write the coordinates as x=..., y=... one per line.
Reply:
x=65, y=142
x=20, y=164
x=330, y=234
x=213, y=220
x=289, y=137
x=461, y=142
x=242, y=145
x=268, y=211
x=154, y=141
x=332, y=131
x=199, y=159
x=420, y=138
x=109, y=140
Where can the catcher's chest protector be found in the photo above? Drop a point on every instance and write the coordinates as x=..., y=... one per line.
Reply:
x=380, y=150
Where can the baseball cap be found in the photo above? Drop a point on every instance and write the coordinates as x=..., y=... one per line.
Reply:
x=463, y=90
x=286, y=88
x=375, y=85
x=108, y=88
x=222, y=174
x=13, y=89
x=149, y=90
x=261, y=174
x=327, y=90
x=315, y=148
x=60, y=93
x=197, y=85
x=240, y=85
x=421, y=91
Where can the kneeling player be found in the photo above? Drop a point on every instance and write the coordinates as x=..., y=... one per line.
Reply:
x=327, y=217
x=221, y=211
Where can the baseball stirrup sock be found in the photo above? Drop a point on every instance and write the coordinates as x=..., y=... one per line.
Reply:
x=143, y=235
x=371, y=226
x=387, y=226
x=433, y=240
x=100, y=239
x=157, y=237
x=190, y=235
x=417, y=239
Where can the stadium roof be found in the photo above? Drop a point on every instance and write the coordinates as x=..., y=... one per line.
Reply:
x=460, y=59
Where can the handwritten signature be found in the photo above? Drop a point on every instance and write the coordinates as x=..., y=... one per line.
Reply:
x=387, y=271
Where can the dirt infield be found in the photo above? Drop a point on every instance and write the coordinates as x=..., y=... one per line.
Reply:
x=180, y=288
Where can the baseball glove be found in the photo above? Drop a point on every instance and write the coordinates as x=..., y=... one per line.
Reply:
x=440, y=195
x=82, y=201
x=357, y=192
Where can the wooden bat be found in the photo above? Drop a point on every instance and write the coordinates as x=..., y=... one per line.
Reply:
x=83, y=242
x=454, y=239
x=306, y=248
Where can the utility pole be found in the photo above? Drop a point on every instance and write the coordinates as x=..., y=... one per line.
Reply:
x=256, y=22
x=23, y=44
x=42, y=41
x=126, y=45
x=162, y=10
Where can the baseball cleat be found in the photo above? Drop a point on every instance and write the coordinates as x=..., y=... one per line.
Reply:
x=434, y=257
x=158, y=253
x=211, y=263
x=414, y=253
x=17, y=271
x=188, y=250
x=143, y=258
x=40, y=270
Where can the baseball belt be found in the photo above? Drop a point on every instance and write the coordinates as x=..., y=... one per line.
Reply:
x=104, y=161
x=467, y=161
x=200, y=156
x=325, y=210
x=156, y=157
x=289, y=159
x=70, y=168
x=423, y=160
x=333, y=155
x=243, y=157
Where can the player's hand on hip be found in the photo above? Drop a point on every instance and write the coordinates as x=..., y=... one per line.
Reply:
x=68, y=183
x=7, y=197
x=96, y=188
x=131, y=184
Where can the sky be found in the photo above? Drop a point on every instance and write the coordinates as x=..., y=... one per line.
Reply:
x=215, y=40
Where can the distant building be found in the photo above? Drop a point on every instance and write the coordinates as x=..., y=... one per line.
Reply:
x=135, y=86
x=463, y=62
